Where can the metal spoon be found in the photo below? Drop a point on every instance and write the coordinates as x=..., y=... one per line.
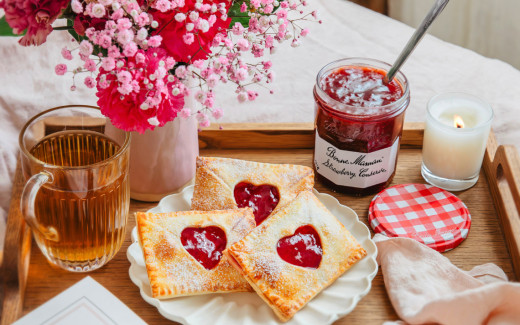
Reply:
x=415, y=39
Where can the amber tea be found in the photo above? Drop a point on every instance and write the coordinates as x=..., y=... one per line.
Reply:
x=86, y=201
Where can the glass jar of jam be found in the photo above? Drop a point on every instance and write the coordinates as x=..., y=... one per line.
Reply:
x=359, y=121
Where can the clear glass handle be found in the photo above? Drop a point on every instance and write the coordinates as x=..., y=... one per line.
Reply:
x=27, y=205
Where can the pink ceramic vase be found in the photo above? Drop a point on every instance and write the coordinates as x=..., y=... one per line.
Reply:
x=162, y=161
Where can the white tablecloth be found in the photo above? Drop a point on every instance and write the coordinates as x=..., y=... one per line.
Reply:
x=29, y=85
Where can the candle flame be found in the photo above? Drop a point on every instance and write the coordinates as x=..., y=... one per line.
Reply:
x=458, y=122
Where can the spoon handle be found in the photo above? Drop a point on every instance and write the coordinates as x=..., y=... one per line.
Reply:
x=416, y=37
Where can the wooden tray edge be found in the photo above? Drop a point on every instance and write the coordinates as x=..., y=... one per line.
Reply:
x=281, y=136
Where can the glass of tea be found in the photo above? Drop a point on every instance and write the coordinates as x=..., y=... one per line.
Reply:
x=76, y=197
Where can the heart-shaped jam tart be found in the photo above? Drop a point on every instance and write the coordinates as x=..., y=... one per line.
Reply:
x=301, y=249
x=205, y=244
x=262, y=198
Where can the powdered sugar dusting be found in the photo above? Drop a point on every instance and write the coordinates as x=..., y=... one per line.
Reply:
x=269, y=268
x=216, y=179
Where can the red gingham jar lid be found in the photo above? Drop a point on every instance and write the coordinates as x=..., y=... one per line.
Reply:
x=426, y=213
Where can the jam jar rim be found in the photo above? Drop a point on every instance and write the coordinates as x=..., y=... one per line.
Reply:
x=400, y=105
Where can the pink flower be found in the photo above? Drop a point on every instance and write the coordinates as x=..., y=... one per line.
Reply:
x=125, y=36
x=304, y=32
x=155, y=41
x=179, y=46
x=217, y=113
x=243, y=44
x=243, y=7
x=90, y=65
x=123, y=24
x=181, y=72
x=60, y=69
x=130, y=49
x=125, y=111
x=237, y=29
x=267, y=65
x=269, y=41
x=142, y=19
x=188, y=38
x=161, y=5
x=203, y=119
x=85, y=48
x=108, y=64
x=281, y=14
x=105, y=41
x=66, y=54
x=113, y=52
x=35, y=16
x=251, y=95
x=185, y=113
x=124, y=77
x=90, y=82
x=241, y=74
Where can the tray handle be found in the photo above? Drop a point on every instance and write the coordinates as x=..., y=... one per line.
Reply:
x=15, y=261
x=503, y=173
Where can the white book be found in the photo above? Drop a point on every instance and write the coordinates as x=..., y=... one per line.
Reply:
x=85, y=303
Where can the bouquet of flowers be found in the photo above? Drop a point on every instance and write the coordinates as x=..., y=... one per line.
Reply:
x=145, y=56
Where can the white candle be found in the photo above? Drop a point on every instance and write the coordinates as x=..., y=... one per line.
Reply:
x=455, y=138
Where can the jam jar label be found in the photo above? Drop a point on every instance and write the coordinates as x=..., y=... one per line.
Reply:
x=351, y=168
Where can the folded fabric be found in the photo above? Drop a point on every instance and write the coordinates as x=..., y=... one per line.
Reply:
x=425, y=287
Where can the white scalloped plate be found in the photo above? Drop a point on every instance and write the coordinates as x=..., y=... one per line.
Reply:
x=247, y=308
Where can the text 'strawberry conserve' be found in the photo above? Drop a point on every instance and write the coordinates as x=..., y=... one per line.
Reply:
x=359, y=122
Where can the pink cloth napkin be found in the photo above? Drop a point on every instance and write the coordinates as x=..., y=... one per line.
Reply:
x=425, y=287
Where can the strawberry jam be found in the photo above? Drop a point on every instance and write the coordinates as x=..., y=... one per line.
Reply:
x=358, y=124
x=303, y=248
x=204, y=244
x=262, y=198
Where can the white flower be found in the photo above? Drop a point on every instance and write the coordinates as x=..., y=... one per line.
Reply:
x=203, y=25
x=153, y=121
x=242, y=97
x=180, y=17
x=76, y=6
x=154, y=24
x=175, y=91
x=98, y=10
x=142, y=34
x=264, y=21
x=125, y=36
x=144, y=106
x=194, y=16
x=85, y=48
x=189, y=27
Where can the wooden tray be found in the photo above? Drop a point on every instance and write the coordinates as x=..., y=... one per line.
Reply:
x=494, y=203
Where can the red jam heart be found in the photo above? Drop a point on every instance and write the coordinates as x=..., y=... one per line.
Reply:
x=301, y=249
x=205, y=244
x=262, y=198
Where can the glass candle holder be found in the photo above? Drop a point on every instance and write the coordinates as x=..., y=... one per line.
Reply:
x=358, y=124
x=455, y=137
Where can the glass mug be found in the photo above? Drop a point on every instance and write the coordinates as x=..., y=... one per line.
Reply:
x=76, y=199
